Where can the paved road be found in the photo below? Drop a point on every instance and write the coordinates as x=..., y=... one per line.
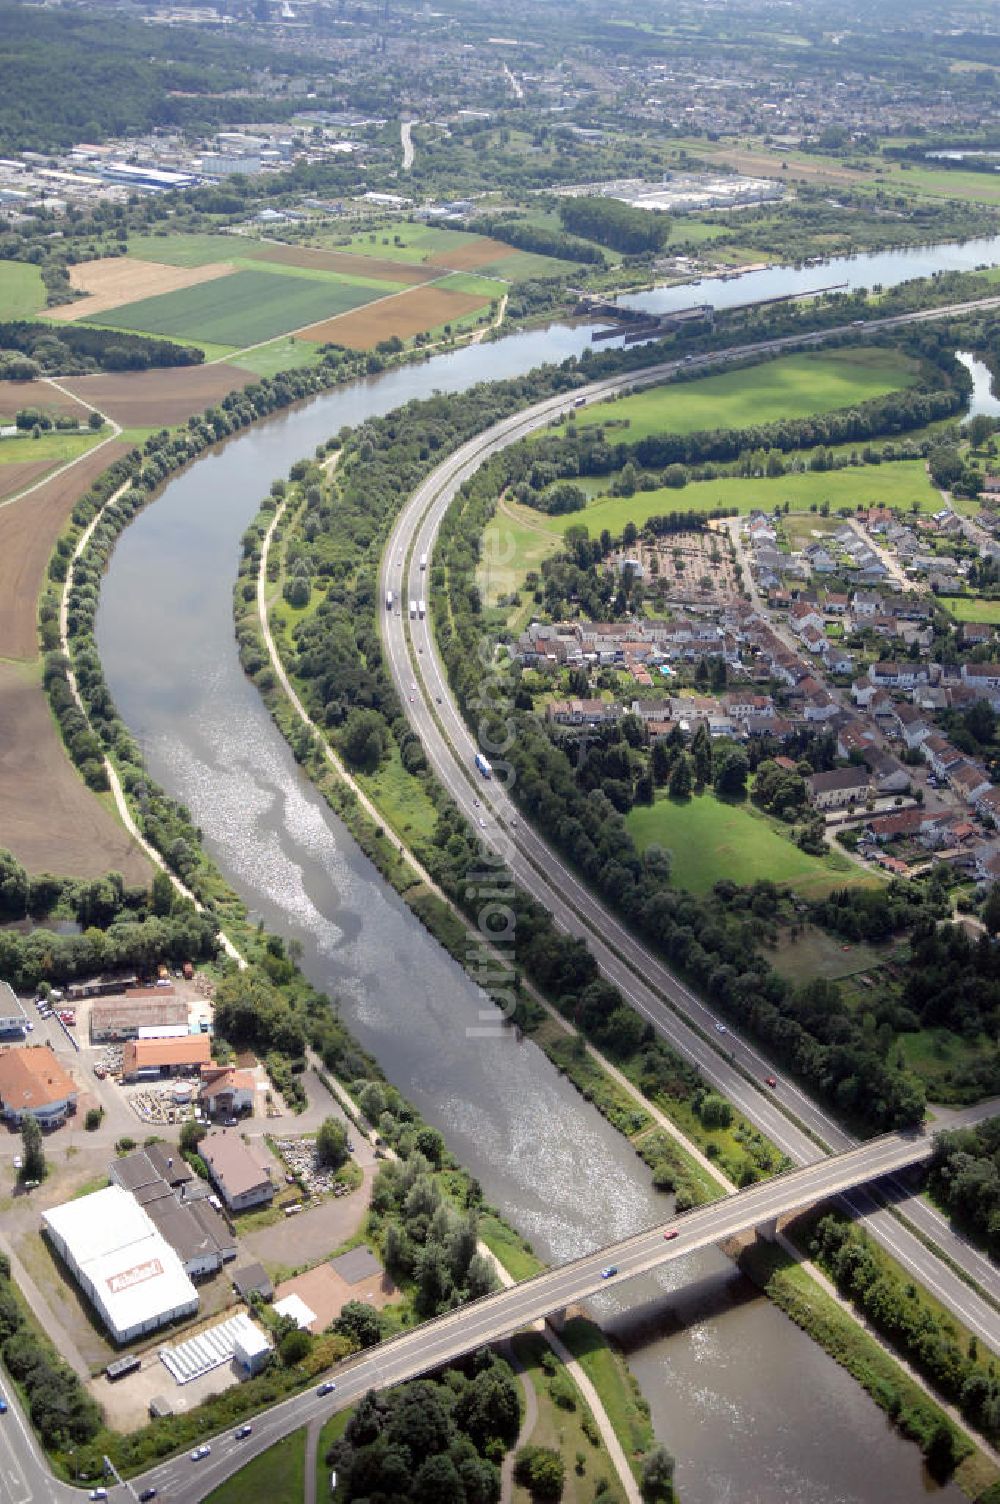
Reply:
x=796, y=1123
x=23, y=1475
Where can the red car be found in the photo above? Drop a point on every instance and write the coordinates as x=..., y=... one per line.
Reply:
x=771, y=1081
x=670, y=1234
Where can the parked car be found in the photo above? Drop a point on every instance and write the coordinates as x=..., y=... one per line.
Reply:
x=98, y=1493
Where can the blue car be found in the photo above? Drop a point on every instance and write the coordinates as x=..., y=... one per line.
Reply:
x=3, y=1406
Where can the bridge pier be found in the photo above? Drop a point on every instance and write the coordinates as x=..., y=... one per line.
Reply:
x=557, y=1319
x=767, y=1231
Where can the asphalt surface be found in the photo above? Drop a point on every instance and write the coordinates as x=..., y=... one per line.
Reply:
x=797, y=1124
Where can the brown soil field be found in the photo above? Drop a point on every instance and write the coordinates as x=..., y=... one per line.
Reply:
x=156, y=399
x=406, y=314
x=767, y=165
x=48, y=817
x=21, y=473
x=41, y=394
x=347, y=262
x=465, y=258
x=28, y=532
x=116, y=280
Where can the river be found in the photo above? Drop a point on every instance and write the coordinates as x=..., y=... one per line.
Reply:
x=753, y=1409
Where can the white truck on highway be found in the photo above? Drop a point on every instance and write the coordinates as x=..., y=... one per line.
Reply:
x=388, y=600
x=483, y=766
x=423, y=561
x=421, y=609
x=413, y=610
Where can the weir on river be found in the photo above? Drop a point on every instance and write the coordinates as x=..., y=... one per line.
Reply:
x=755, y=1412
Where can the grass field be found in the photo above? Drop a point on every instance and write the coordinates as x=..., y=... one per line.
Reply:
x=972, y=608
x=818, y=953
x=516, y=540
x=277, y=1476
x=48, y=446
x=934, y=1053
x=793, y=386
x=709, y=839
x=896, y=485
x=560, y=1425
x=280, y=355
x=243, y=309
x=22, y=292
x=189, y=250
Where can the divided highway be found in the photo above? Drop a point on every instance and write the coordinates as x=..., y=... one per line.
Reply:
x=793, y=1121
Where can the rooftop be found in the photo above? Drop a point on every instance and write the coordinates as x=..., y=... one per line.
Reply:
x=32, y=1078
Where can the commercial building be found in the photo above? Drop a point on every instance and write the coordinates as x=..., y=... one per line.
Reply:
x=150, y=1059
x=33, y=1083
x=148, y=1017
x=12, y=1015
x=126, y=1268
x=226, y=1091
x=240, y=1180
x=180, y=1205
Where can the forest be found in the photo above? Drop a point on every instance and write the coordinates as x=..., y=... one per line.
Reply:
x=75, y=350
x=964, y=1178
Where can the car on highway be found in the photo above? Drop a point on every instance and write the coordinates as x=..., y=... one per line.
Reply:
x=482, y=822
x=670, y=1234
x=242, y=1432
x=611, y=1270
x=98, y=1493
x=437, y=699
x=770, y=1081
x=200, y=1452
x=3, y=1405
x=327, y=1388
x=720, y=1029
x=146, y=1495
x=413, y=699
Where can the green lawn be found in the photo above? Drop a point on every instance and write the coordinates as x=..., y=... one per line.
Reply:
x=516, y=540
x=49, y=446
x=971, y=608
x=191, y=250
x=794, y=386
x=933, y=1054
x=487, y=288
x=709, y=839
x=402, y=800
x=277, y=1476
x=332, y=1431
x=280, y=355
x=817, y=953
x=560, y=1425
x=22, y=292
x=900, y=484
x=405, y=242
x=242, y=309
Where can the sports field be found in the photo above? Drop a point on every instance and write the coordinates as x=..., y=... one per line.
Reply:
x=243, y=309
x=971, y=608
x=22, y=292
x=794, y=386
x=709, y=840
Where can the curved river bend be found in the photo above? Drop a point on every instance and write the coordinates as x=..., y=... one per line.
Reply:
x=754, y=1410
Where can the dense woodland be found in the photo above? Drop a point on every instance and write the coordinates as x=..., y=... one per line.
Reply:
x=964, y=1176
x=28, y=350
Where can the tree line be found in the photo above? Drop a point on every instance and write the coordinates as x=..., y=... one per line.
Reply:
x=75, y=349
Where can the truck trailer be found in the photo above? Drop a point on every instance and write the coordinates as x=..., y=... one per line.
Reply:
x=483, y=766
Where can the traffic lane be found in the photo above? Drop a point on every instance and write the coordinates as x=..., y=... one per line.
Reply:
x=24, y=1473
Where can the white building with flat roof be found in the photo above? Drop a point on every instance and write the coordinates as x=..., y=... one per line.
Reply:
x=127, y=1269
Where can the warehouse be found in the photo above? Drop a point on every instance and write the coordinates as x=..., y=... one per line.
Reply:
x=122, y=1018
x=126, y=1268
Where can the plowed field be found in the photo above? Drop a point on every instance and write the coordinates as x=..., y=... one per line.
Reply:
x=347, y=263
x=147, y=399
x=28, y=532
x=404, y=315
x=14, y=395
x=48, y=817
x=116, y=280
x=21, y=473
x=465, y=258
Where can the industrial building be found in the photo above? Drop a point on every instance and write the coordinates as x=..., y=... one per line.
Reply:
x=151, y=1059
x=33, y=1083
x=239, y=1178
x=179, y=1204
x=124, y=1265
x=150, y=1016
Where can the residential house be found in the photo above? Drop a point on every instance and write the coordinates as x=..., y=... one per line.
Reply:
x=913, y=725
x=34, y=1084
x=984, y=678
x=969, y=780
x=226, y=1091
x=583, y=712
x=888, y=775
x=840, y=788
x=938, y=752
x=896, y=675
x=854, y=736
x=237, y=1175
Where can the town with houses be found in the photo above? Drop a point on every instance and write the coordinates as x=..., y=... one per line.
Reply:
x=841, y=638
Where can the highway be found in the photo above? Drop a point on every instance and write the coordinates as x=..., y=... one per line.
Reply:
x=799, y=1126
x=24, y=1477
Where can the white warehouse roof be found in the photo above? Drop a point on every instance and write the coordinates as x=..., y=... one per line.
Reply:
x=131, y=1273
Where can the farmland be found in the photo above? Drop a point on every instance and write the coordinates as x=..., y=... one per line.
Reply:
x=794, y=386
x=151, y=399
x=709, y=839
x=406, y=314
x=14, y=395
x=245, y=308
x=116, y=280
x=22, y=292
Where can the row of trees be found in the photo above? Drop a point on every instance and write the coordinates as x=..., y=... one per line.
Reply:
x=61, y=1410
